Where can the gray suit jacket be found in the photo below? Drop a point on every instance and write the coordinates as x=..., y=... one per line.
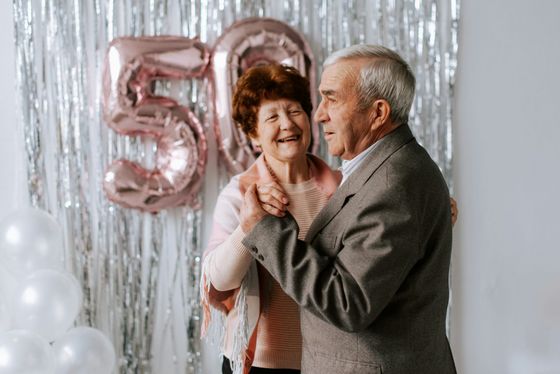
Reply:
x=372, y=275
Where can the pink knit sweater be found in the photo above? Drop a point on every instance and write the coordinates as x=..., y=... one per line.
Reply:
x=226, y=263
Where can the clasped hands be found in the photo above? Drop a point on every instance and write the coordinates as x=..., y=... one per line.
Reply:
x=260, y=200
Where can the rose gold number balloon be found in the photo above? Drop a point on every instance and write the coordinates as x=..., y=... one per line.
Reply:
x=250, y=42
x=131, y=108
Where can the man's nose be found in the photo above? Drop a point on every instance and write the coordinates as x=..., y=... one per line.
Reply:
x=320, y=114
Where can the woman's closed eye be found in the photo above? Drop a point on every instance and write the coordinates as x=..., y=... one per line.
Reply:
x=272, y=118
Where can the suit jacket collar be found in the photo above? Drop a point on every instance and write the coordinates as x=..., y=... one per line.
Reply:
x=391, y=143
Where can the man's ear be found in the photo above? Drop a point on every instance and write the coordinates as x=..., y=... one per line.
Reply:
x=380, y=113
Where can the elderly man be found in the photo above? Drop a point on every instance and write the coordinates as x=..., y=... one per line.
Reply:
x=372, y=275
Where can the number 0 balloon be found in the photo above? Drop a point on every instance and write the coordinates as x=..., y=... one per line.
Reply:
x=251, y=42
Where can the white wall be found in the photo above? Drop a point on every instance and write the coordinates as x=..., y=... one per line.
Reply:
x=506, y=273
x=506, y=279
x=10, y=143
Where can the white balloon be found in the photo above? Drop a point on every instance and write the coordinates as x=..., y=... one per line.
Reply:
x=9, y=281
x=31, y=239
x=23, y=352
x=84, y=350
x=8, y=284
x=47, y=302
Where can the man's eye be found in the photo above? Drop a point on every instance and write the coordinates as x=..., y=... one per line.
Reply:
x=295, y=112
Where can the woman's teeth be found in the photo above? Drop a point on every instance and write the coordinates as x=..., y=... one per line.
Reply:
x=290, y=138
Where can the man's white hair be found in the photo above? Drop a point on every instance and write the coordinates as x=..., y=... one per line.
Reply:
x=385, y=76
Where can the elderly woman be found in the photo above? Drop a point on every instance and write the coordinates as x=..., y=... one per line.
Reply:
x=272, y=105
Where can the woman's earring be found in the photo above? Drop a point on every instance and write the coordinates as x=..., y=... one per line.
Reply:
x=256, y=147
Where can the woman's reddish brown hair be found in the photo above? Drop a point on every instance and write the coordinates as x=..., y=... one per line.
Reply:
x=267, y=82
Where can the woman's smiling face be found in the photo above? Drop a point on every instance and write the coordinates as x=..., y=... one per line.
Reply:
x=283, y=130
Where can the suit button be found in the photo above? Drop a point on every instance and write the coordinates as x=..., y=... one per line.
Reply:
x=260, y=257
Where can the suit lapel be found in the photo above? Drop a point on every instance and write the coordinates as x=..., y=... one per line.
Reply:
x=389, y=145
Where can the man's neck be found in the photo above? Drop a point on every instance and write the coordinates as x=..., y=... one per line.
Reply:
x=371, y=139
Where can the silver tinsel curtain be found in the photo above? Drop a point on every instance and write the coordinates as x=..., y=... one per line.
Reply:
x=140, y=272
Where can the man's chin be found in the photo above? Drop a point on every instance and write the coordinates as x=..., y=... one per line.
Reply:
x=333, y=151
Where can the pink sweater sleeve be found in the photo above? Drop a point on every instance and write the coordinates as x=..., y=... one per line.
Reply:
x=227, y=259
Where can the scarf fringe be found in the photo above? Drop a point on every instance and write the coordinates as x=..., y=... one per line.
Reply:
x=214, y=323
x=241, y=334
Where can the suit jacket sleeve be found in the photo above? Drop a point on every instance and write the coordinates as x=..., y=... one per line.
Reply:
x=377, y=241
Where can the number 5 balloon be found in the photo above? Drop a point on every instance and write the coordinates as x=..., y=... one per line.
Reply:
x=131, y=108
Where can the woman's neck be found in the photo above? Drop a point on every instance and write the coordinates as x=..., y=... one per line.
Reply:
x=288, y=172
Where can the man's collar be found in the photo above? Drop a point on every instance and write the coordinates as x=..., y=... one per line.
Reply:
x=348, y=166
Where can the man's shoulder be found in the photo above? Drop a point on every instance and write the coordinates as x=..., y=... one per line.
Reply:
x=407, y=173
x=412, y=160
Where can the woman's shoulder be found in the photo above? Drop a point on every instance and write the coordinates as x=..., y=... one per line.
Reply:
x=228, y=205
x=230, y=193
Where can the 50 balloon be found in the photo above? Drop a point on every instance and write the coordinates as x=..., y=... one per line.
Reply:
x=132, y=64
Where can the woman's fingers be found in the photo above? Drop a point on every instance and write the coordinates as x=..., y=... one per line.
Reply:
x=454, y=211
x=275, y=190
x=273, y=199
x=273, y=210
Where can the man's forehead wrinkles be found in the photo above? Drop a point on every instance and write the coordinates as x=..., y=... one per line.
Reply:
x=331, y=85
x=339, y=78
